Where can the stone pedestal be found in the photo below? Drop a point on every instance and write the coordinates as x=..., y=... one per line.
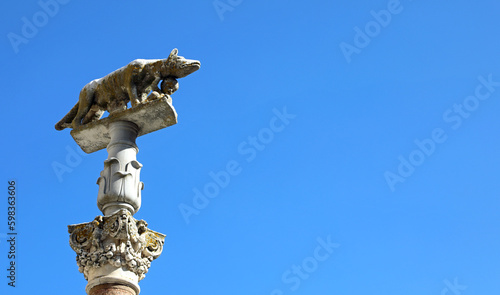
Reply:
x=149, y=116
x=115, y=251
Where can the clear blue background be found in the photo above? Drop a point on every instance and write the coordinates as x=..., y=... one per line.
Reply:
x=322, y=176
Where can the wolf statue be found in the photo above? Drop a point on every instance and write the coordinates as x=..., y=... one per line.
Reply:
x=136, y=82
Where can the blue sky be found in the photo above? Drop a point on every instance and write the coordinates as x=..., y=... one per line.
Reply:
x=364, y=134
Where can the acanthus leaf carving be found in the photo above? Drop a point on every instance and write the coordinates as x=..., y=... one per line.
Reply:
x=119, y=240
x=120, y=183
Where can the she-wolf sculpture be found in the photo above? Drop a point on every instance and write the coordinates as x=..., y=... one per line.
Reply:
x=136, y=82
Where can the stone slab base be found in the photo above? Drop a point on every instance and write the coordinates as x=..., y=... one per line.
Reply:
x=149, y=116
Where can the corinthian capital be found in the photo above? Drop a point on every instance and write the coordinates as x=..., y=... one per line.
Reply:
x=116, y=247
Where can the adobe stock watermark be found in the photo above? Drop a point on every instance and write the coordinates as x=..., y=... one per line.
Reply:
x=454, y=116
x=364, y=35
x=223, y=6
x=249, y=149
x=72, y=160
x=32, y=25
x=453, y=288
x=297, y=273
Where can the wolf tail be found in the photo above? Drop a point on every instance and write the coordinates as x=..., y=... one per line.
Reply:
x=66, y=121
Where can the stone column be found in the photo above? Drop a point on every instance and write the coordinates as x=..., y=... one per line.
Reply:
x=112, y=289
x=114, y=251
x=119, y=183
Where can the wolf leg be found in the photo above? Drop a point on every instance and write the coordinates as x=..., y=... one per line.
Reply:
x=66, y=121
x=133, y=95
x=84, y=105
x=94, y=114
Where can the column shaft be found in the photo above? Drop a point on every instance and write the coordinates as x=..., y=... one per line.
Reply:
x=112, y=289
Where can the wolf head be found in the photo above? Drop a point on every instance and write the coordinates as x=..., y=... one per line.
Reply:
x=178, y=67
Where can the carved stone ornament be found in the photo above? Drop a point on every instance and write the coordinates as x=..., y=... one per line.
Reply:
x=114, y=251
x=119, y=241
x=120, y=182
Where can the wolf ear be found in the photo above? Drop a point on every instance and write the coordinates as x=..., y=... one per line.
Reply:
x=173, y=53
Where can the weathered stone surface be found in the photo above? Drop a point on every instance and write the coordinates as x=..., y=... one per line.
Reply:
x=115, y=249
x=112, y=289
x=114, y=252
x=149, y=117
x=135, y=82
